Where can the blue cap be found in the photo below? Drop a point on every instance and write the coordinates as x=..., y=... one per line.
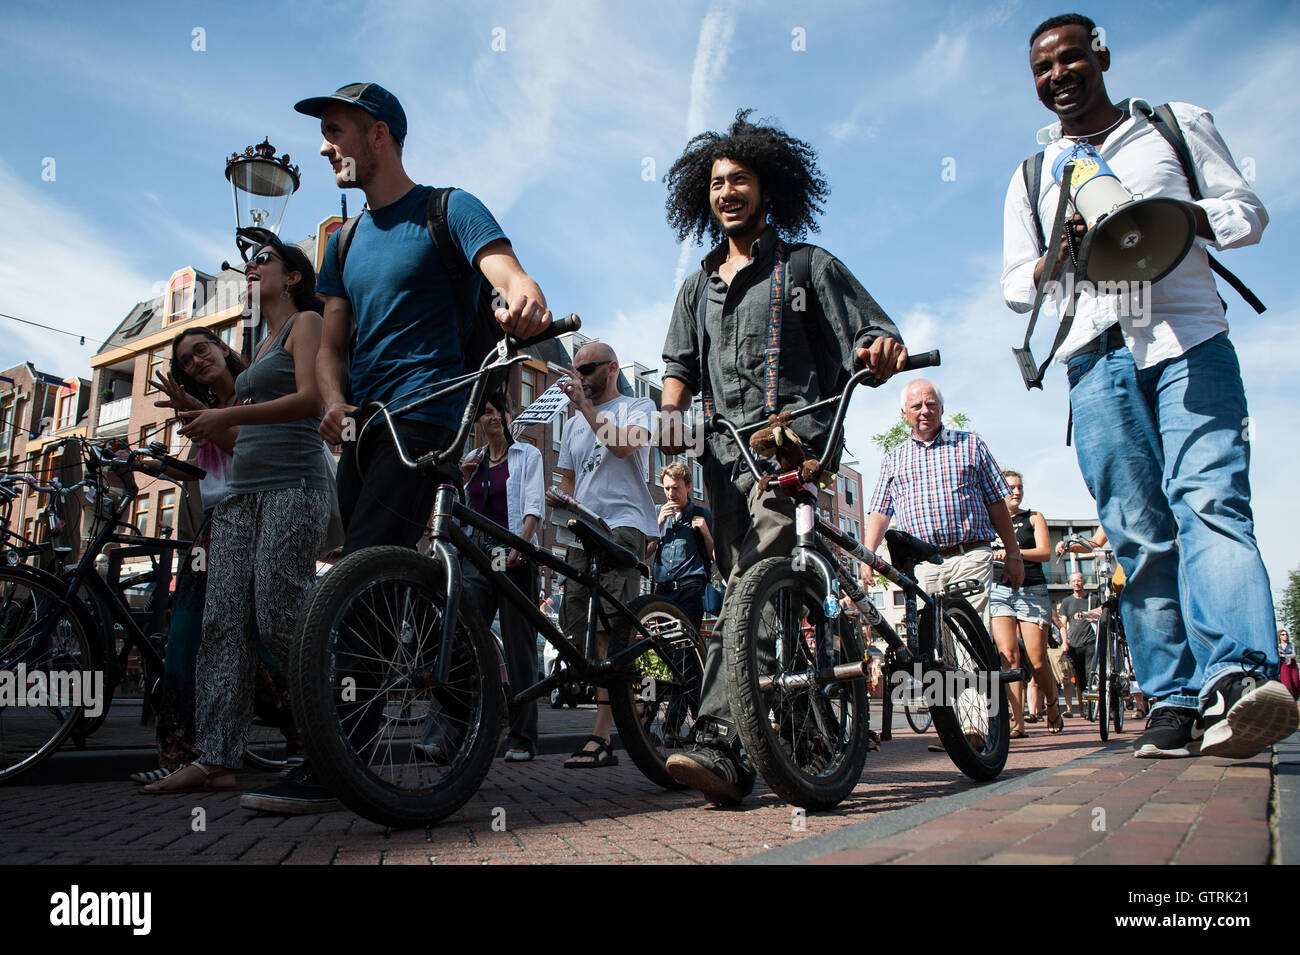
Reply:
x=371, y=97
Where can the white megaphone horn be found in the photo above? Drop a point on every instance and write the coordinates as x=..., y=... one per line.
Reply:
x=1128, y=239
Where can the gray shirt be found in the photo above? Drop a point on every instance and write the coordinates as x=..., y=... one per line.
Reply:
x=269, y=457
x=814, y=363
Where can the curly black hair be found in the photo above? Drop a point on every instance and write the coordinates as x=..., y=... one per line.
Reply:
x=787, y=171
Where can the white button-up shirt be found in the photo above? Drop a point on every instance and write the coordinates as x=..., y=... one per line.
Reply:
x=1183, y=308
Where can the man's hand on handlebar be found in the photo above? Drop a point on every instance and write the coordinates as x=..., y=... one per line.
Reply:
x=334, y=420
x=525, y=317
x=884, y=358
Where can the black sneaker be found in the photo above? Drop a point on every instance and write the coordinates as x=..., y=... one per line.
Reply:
x=714, y=771
x=298, y=794
x=1245, y=713
x=1172, y=733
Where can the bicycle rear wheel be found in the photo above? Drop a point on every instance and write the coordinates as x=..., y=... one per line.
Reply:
x=367, y=659
x=973, y=724
x=51, y=662
x=1105, y=695
x=807, y=739
x=655, y=710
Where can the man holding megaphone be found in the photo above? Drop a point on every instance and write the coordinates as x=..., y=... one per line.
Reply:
x=1156, y=396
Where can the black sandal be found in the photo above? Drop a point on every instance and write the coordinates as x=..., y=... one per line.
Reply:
x=583, y=758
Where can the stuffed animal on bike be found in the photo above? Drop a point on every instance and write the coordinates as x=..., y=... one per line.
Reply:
x=778, y=440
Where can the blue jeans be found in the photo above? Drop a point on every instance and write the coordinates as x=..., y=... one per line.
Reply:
x=1165, y=453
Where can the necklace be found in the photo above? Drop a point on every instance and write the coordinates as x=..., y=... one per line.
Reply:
x=1102, y=132
x=495, y=460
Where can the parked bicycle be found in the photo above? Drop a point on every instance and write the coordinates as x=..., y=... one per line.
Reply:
x=1110, y=685
x=796, y=676
x=399, y=689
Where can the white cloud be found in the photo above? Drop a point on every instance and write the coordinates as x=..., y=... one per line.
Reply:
x=54, y=269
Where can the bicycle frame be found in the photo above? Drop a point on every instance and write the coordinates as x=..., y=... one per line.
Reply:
x=449, y=540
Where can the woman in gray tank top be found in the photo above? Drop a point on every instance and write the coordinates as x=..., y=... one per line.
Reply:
x=268, y=530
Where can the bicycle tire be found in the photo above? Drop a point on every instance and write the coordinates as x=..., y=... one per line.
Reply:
x=655, y=713
x=809, y=743
x=975, y=729
x=919, y=717
x=369, y=642
x=1104, y=693
x=31, y=734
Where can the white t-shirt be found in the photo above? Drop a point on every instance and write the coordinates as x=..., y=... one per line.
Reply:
x=614, y=488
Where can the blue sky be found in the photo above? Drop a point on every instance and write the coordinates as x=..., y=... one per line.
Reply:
x=554, y=133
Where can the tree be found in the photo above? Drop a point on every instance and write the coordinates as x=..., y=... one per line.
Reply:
x=896, y=435
x=1288, y=608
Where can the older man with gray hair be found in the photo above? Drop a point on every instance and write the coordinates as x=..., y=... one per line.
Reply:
x=945, y=488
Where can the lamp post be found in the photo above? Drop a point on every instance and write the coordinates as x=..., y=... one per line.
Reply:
x=261, y=185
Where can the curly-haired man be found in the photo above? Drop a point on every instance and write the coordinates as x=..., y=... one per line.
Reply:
x=756, y=190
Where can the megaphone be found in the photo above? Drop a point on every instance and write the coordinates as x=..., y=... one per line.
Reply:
x=1128, y=239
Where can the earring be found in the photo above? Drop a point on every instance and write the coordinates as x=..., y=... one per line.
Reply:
x=284, y=293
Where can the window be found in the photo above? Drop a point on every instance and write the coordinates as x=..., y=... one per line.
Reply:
x=67, y=410
x=899, y=598
x=156, y=360
x=527, y=387
x=850, y=489
x=557, y=431
x=6, y=425
x=697, y=480
x=174, y=438
x=139, y=325
x=140, y=514
x=233, y=336
x=657, y=462
x=28, y=528
x=555, y=478
x=166, y=509
x=180, y=296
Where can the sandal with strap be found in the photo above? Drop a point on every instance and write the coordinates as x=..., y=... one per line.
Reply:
x=210, y=779
x=602, y=755
x=1054, y=726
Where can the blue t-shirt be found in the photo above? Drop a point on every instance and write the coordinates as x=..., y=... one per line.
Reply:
x=408, y=335
x=678, y=555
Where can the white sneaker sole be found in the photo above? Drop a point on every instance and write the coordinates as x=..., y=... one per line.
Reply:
x=1151, y=751
x=1259, y=719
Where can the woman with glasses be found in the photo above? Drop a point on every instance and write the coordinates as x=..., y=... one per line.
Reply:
x=203, y=373
x=269, y=529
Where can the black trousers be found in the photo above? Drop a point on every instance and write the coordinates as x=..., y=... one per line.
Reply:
x=518, y=640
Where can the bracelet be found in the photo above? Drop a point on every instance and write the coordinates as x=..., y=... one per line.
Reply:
x=1014, y=557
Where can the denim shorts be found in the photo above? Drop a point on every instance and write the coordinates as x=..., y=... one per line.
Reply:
x=1030, y=604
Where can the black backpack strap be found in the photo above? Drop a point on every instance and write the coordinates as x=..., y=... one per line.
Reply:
x=1166, y=124
x=346, y=231
x=1032, y=172
x=1031, y=373
x=479, y=329
x=701, y=340
x=829, y=371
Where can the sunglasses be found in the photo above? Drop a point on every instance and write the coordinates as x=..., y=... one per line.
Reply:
x=589, y=367
x=198, y=351
x=263, y=256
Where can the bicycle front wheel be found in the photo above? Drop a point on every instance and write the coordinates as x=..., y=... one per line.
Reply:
x=1105, y=694
x=806, y=738
x=367, y=658
x=972, y=721
x=656, y=708
x=51, y=661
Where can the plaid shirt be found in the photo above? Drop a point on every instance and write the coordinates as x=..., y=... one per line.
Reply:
x=941, y=489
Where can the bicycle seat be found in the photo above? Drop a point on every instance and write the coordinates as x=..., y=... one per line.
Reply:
x=906, y=551
x=613, y=556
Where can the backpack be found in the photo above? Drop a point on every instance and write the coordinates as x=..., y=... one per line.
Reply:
x=479, y=329
x=831, y=375
x=1166, y=124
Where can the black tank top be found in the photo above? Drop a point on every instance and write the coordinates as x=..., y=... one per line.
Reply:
x=1024, y=529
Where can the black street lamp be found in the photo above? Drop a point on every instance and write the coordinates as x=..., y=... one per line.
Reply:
x=261, y=185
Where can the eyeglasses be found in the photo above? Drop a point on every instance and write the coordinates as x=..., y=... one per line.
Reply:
x=198, y=351
x=589, y=367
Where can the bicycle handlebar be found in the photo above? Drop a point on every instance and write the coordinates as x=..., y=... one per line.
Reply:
x=504, y=356
x=721, y=425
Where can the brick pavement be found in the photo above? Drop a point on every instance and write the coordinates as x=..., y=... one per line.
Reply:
x=551, y=815
x=911, y=807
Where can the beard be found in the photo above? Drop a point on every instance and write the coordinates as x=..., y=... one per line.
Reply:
x=745, y=226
